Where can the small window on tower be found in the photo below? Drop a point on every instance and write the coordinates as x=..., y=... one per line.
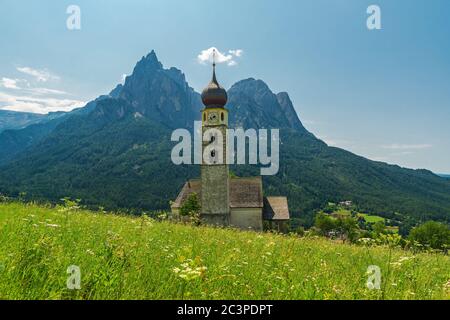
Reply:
x=213, y=153
x=221, y=116
x=213, y=138
x=204, y=116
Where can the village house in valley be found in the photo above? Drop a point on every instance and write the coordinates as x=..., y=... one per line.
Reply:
x=225, y=200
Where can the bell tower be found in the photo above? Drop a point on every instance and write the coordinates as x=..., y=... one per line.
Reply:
x=214, y=169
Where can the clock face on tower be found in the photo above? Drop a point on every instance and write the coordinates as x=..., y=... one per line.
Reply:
x=213, y=117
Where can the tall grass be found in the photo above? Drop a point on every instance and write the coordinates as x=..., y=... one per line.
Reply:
x=137, y=258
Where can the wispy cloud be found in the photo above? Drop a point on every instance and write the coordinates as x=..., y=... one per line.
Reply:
x=402, y=153
x=237, y=52
x=395, y=152
x=407, y=146
x=39, y=75
x=9, y=83
x=28, y=94
x=228, y=57
x=46, y=91
x=37, y=104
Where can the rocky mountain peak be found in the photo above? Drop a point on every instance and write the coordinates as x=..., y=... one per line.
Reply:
x=165, y=96
x=254, y=105
x=160, y=94
x=148, y=63
x=288, y=108
x=251, y=85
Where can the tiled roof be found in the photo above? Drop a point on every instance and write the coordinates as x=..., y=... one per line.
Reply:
x=244, y=192
x=189, y=187
x=275, y=208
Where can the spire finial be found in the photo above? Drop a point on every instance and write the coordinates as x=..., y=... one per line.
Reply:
x=214, y=66
x=214, y=96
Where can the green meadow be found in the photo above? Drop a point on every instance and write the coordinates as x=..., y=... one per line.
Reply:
x=371, y=218
x=123, y=257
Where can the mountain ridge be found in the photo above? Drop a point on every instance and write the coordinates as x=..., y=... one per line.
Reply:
x=12, y=120
x=116, y=153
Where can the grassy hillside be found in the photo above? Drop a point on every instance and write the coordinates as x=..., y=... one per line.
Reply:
x=138, y=258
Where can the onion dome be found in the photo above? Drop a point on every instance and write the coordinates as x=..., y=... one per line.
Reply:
x=214, y=96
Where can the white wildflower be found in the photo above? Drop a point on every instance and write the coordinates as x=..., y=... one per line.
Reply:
x=190, y=270
x=52, y=225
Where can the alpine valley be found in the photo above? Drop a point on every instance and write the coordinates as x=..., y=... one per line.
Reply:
x=115, y=153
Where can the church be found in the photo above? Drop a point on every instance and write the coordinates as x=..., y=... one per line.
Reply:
x=227, y=200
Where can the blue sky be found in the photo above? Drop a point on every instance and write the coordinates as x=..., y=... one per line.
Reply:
x=383, y=94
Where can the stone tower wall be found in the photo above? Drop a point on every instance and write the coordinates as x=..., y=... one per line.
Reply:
x=215, y=186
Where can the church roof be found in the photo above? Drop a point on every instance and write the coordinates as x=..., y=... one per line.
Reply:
x=189, y=187
x=214, y=96
x=275, y=208
x=244, y=192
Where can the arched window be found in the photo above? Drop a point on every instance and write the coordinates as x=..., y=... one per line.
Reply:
x=213, y=156
x=213, y=138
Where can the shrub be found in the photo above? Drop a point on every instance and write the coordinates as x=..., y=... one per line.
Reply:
x=431, y=234
x=325, y=224
x=345, y=227
x=379, y=228
x=190, y=206
x=69, y=204
x=330, y=207
x=300, y=231
x=348, y=228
